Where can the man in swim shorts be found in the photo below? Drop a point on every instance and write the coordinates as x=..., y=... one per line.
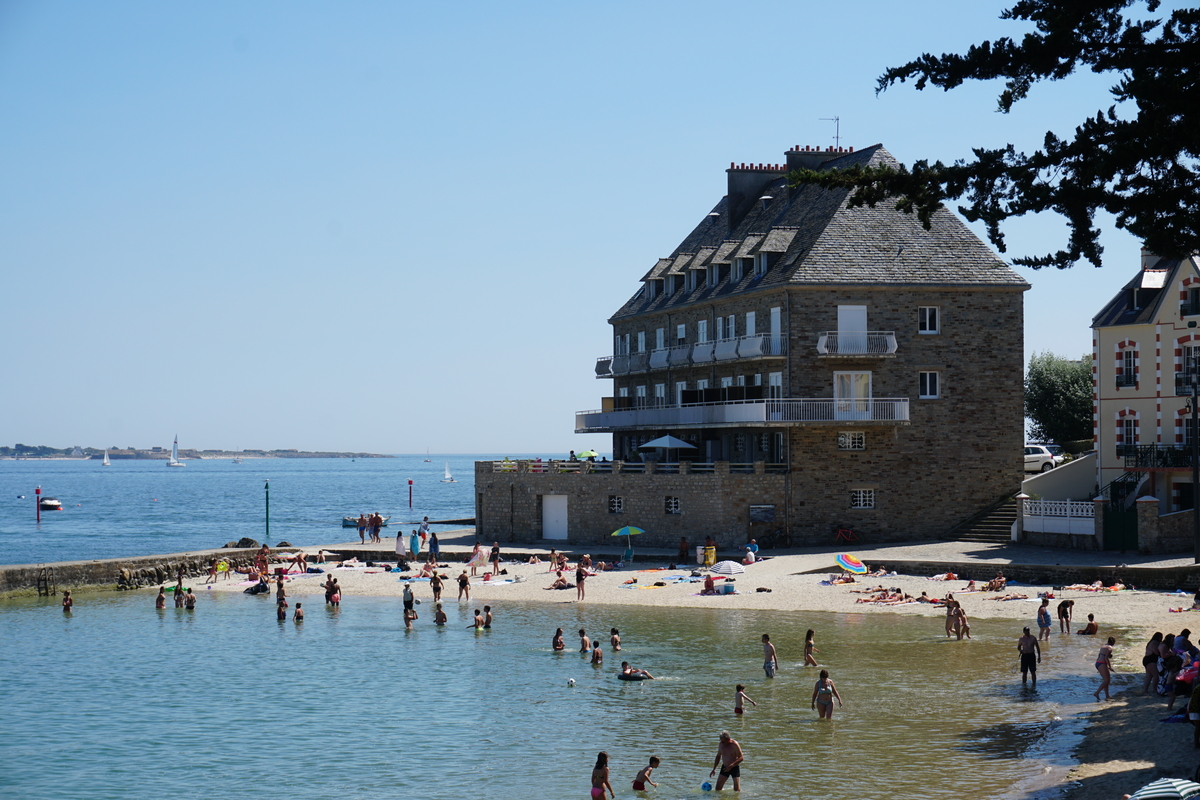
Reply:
x=1031, y=656
x=729, y=758
x=769, y=660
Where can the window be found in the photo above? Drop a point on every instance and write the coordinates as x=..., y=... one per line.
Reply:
x=660, y=338
x=672, y=285
x=760, y=264
x=731, y=326
x=928, y=320
x=758, y=379
x=680, y=388
x=739, y=442
x=1128, y=376
x=862, y=498
x=1129, y=436
x=623, y=391
x=640, y=396
x=692, y=280
x=641, y=341
x=929, y=385
x=616, y=504
x=775, y=385
x=852, y=440
x=764, y=442
x=671, y=505
x=651, y=289
x=726, y=382
x=750, y=330
x=702, y=383
x=720, y=328
x=660, y=394
x=702, y=331
x=680, y=334
x=714, y=275
x=740, y=380
x=1188, y=428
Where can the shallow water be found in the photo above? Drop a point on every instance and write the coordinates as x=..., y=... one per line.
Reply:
x=118, y=700
x=136, y=508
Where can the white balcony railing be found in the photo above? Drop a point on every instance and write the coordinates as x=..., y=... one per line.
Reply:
x=857, y=343
x=785, y=411
x=761, y=345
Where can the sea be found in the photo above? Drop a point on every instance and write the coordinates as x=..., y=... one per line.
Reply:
x=119, y=700
x=136, y=507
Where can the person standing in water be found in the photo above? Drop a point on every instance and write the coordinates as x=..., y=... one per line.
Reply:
x=1064, y=615
x=1043, y=620
x=557, y=642
x=161, y=600
x=600, y=777
x=740, y=699
x=1031, y=656
x=439, y=616
x=298, y=616
x=729, y=759
x=824, y=693
x=1104, y=667
x=810, y=647
x=614, y=639
x=67, y=602
x=770, y=662
x=464, y=586
x=585, y=644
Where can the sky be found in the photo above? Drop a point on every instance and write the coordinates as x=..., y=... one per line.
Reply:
x=400, y=226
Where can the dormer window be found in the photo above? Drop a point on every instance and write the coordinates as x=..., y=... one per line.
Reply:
x=739, y=269
x=672, y=284
x=692, y=280
x=761, y=263
x=651, y=290
x=714, y=275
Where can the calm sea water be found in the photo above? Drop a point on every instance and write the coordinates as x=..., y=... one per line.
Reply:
x=143, y=507
x=118, y=700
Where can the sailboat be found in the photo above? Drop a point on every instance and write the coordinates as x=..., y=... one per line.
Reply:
x=174, y=461
x=427, y=458
x=449, y=478
x=106, y=462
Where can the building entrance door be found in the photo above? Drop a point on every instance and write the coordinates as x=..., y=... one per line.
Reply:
x=554, y=516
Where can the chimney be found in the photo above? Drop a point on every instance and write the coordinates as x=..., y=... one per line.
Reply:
x=747, y=184
x=1148, y=259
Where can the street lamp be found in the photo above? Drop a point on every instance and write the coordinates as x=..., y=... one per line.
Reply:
x=1192, y=407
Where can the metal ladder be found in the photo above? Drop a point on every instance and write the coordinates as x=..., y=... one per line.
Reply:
x=46, y=585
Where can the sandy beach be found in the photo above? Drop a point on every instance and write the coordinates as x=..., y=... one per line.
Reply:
x=1125, y=746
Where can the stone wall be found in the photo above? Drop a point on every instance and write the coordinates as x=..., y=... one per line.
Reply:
x=118, y=573
x=1160, y=578
x=509, y=505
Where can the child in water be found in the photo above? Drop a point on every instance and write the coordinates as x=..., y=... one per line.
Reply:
x=741, y=699
x=643, y=777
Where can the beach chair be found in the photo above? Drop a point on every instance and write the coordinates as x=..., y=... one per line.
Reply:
x=628, y=557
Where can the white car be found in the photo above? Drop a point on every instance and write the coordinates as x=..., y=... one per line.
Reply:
x=1041, y=458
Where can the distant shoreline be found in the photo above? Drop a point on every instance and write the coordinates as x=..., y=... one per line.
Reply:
x=192, y=455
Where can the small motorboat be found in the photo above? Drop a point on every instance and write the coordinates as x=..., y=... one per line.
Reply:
x=50, y=504
x=352, y=522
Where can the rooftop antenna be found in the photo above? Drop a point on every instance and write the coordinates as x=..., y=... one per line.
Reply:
x=837, y=129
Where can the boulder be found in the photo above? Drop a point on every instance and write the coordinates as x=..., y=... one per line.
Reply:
x=230, y=544
x=284, y=544
x=247, y=542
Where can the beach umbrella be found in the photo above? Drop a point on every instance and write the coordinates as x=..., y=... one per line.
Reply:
x=630, y=532
x=666, y=442
x=851, y=564
x=587, y=454
x=727, y=568
x=1167, y=789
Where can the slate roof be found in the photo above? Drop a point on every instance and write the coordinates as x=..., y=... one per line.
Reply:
x=815, y=238
x=1125, y=309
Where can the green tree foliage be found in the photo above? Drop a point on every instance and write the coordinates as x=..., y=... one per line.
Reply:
x=1139, y=159
x=1058, y=398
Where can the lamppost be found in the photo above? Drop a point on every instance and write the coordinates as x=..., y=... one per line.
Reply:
x=1193, y=406
x=267, y=535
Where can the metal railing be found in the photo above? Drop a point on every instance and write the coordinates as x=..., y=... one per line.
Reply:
x=856, y=343
x=1157, y=456
x=760, y=345
x=742, y=412
x=1128, y=379
x=1183, y=382
x=564, y=467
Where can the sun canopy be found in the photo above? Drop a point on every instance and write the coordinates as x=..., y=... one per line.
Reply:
x=669, y=442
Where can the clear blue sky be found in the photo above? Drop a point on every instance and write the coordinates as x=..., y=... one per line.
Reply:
x=396, y=225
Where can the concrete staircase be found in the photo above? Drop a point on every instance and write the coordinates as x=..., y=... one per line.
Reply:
x=993, y=526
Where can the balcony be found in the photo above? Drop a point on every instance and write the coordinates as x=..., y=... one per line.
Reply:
x=1189, y=309
x=789, y=411
x=761, y=345
x=1152, y=456
x=1183, y=382
x=1129, y=379
x=857, y=344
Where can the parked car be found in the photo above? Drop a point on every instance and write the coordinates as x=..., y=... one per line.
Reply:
x=1042, y=457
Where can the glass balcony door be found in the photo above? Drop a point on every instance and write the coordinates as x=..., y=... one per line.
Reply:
x=852, y=395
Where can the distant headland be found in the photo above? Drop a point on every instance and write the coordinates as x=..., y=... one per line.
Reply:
x=163, y=453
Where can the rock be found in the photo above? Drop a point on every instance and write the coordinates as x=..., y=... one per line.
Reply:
x=284, y=544
x=230, y=544
x=246, y=542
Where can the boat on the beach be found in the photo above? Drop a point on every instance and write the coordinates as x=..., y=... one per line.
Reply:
x=352, y=522
x=449, y=478
x=106, y=462
x=50, y=504
x=174, y=460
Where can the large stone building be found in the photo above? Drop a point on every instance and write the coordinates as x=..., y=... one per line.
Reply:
x=830, y=367
x=1145, y=354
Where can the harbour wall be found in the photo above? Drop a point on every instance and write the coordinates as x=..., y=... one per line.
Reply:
x=117, y=574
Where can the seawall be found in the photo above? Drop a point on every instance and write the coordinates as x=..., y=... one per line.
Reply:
x=117, y=574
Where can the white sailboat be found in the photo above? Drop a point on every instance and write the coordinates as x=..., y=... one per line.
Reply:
x=427, y=458
x=106, y=462
x=174, y=460
x=449, y=478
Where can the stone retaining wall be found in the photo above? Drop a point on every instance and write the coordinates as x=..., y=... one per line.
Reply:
x=1157, y=578
x=117, y=573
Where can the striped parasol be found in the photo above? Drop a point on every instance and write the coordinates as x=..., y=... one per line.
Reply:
x=851, y=564
x=1167, y=789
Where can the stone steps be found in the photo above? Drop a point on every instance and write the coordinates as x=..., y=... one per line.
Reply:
x=993, y=527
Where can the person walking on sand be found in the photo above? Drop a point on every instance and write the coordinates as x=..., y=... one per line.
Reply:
x=1031, y=656
x=435, y=548
x=494, y=557
x=580, y=577
x=740, y=699
x=475, y=559
x=464, y=586
x=824, y=693
x=770, y=661
x=1043, y=620
x=729, y=759
x=1150, y=661
x=600, y=778
x=1064, y=615
x=1104, y=667
x=810, y=647
x=643, y=777
x=212, y=572
x=362, y=528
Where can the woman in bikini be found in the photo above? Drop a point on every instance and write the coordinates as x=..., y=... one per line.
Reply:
x=1150, y=660
x=557, y=642
x=1104, y=667
x=950, y=603
x=823, y=695
x=810, y=647
x=600, y=778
